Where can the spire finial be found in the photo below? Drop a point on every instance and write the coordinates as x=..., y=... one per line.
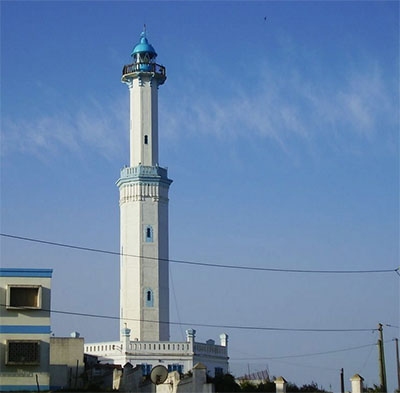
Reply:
x=143, y=33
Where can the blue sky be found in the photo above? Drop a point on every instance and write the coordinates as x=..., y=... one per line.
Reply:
x=279, y=125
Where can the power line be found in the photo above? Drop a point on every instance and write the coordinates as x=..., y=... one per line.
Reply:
x=307, y=354
x=392, y=326
x=176, y=302
x=204, y=264
x=221, y=326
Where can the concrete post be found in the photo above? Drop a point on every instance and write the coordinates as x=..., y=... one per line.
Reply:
x=190, y=335
x=126, y=339
x=356, y=383
x=280, y=385
x=223, y=339
x=199, y=377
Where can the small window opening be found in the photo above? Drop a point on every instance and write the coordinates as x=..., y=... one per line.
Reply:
x=149, y=298
x=146, y=139
x=175, y=367
x=24, y=296
x=218, y=371
x=149, y=234
x=23, y=352
x=146, y=369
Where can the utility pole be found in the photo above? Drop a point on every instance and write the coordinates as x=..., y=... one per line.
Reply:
x=381, y=359
x=398, y=363
x=341, y=380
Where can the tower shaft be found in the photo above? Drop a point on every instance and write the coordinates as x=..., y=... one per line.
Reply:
x=143, y=186
x=144, y=122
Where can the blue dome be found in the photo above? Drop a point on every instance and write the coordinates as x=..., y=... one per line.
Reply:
x=144, y=47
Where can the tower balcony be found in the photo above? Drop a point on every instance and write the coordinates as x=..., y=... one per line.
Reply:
x=135, y=69
x=143, y=173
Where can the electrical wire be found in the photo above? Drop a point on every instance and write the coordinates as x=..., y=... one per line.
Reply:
x=176, y=302
x=209, y=325
x=366, y=359
x=392, y=326
x=232, y=359
x=204, y=264
x=307, y=354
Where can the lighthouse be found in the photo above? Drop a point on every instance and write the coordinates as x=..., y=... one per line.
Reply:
x=144, y=282
x=143, y=189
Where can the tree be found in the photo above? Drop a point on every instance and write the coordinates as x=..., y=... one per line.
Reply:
x=226, y=383
x=267, y=386
x=247, y=386
x=374, y=389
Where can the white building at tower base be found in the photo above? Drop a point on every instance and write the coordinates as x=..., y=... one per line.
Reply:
x=174, y=355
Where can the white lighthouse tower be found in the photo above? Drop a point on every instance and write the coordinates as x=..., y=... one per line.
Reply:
x=143, y=186
x=144, y=289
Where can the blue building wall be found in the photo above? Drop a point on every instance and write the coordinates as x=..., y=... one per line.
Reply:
x=25, y=329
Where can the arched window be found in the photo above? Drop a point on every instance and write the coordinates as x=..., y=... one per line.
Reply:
x=149, y=234
x=149, y=297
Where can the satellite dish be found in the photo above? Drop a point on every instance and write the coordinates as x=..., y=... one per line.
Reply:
x=158, y=374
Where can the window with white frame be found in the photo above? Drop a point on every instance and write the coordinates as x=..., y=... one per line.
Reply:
x=24, y=296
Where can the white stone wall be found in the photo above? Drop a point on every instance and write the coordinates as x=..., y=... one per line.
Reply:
x=144, y=291
x=167, y=353
x=143, y=121
x=130, y=270
x=197, y=383
x=149, y=272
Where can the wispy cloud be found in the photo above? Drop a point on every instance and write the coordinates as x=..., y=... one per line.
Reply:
x=95, y=126
x=283, y=104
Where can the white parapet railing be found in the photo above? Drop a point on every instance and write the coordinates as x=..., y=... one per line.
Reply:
x=172, y=348
x=139, y=348
x=210, y=349
x=100, y=348
x=151, y=348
